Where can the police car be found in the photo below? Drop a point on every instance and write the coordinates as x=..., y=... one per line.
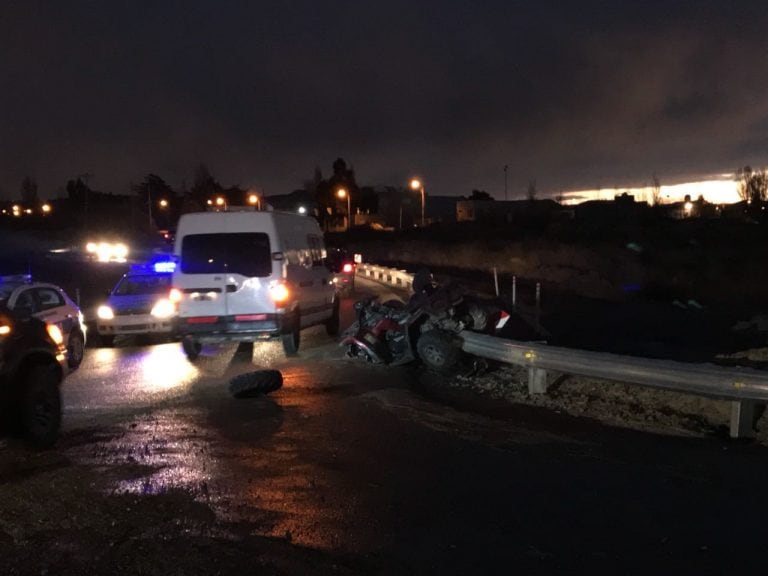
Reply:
x=139, y=304
x=49, y=303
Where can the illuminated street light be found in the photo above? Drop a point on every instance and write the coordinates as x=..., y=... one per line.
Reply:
x=417, y=185
x=342, y=193
x=302, y=210
x=163, y=203
x=46, y=208
x=210, y=202
x=254, y=200
x=220, y=202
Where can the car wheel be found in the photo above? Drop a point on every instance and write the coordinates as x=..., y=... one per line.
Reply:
x=41, y=406
x=332, y=324
x=191, y=347
x=255, y=383
x=75, y=350
x=107, y=341
x=439, y=351
x=292, y=339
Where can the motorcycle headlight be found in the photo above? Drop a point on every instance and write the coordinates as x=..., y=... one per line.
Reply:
x=163, y=309
x=105, y=313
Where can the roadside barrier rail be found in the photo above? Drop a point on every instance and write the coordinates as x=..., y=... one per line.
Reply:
x=744, y=387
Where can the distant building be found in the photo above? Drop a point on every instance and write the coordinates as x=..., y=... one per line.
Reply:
x=623, y=208
x=512, y=211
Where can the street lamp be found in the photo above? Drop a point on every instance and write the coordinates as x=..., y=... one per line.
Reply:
x=163, y=203
x=342, y=193
x=221, y=203
x=254, y=200
x=417, y=185
x=46, y=208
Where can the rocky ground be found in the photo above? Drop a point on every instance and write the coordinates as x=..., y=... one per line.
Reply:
x=615, y=404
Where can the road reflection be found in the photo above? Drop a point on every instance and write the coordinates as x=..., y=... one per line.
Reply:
x=160, y=368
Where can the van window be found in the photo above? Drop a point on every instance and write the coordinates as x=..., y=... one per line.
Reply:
x=245, y=253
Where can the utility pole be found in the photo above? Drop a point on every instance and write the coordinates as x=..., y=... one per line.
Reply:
x=505, y=181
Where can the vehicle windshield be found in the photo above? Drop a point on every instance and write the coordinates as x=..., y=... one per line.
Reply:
x=245, y=253
x=5, y=292
x=143, y=285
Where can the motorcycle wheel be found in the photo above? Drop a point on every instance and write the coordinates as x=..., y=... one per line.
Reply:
x=439, y=351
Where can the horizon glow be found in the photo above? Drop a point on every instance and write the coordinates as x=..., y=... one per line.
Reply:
x=716, y=191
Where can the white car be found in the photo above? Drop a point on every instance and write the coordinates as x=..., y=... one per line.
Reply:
x=48, y=303
x=138, y=305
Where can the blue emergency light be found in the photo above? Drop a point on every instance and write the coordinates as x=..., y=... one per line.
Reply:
x=164, y=267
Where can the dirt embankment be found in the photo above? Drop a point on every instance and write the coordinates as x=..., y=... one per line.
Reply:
x=711, y=262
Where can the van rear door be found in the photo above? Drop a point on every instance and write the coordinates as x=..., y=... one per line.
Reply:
x=221, y=274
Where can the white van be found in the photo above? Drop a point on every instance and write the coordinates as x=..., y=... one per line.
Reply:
x=247, y=276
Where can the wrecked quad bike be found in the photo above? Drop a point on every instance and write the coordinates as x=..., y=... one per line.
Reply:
x=425, y=328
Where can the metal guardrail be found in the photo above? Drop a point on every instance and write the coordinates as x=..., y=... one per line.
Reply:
x=744, y=387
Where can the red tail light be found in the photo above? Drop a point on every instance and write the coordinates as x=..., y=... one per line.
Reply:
x=348, y=268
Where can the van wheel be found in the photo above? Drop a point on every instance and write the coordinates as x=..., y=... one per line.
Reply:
x=291, y=339
x=191, y=347
x=332, y=324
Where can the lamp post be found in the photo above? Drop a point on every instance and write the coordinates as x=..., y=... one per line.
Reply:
x=254, y=200
x=417, y=185
x=221, y=203
x=342, y=193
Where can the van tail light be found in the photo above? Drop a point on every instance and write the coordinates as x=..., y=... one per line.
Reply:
x=348, y=268
x=279, y=293
x=174, y=295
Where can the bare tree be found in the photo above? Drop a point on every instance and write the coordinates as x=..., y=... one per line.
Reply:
x=655, y=190
x=752, y=184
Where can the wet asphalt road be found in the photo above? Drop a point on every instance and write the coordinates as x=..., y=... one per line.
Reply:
x=358, y=469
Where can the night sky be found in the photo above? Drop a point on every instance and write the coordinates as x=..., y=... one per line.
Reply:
x=573, y=94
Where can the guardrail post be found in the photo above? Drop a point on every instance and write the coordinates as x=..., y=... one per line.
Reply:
x=537, y=380
x=742, y=419
x=514, y=291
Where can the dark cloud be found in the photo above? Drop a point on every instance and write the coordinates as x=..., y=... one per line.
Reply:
x=583, y=95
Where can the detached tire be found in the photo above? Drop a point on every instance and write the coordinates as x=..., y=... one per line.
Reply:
x=252, y=384
x=40, y=406
x=332, y=324
x=191, y=347
x=439, y=351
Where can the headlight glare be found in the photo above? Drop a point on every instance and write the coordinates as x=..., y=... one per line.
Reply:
x=163, y=309
x=105, y=313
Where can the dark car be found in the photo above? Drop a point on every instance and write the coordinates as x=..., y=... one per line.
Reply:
x=342, y=266
x=33, y=362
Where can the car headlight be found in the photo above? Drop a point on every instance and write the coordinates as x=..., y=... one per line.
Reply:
x=163, y=309
x=55, y=333
x=105, y=313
